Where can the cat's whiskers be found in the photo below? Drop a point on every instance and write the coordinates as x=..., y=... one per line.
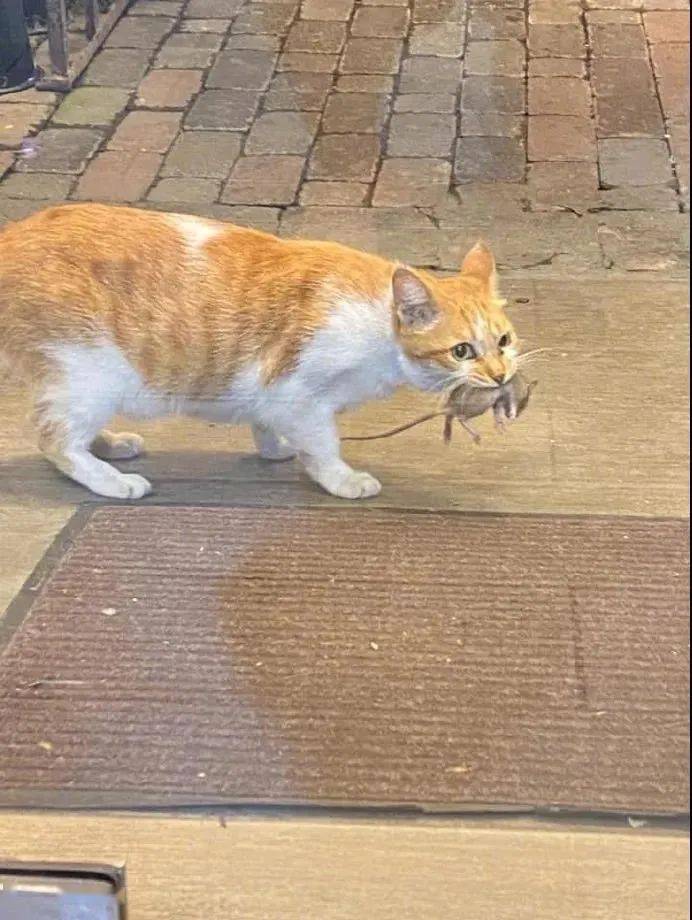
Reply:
x=533, y=353
x=453, y=381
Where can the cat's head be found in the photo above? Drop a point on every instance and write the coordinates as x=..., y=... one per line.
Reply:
x=454, y=329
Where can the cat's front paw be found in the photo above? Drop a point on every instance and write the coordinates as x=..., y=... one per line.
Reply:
x=355, y=485
x=111, y=483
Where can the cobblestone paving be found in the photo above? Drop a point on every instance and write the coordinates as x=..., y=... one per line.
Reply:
x=558, y=129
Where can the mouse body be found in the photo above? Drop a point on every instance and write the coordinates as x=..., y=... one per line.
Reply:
x=466, y=402
x=507, y=401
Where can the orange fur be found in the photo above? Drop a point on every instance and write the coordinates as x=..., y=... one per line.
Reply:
x=77, y=272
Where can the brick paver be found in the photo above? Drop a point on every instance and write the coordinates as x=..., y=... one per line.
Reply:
x=372, y=106
x=16, y=121
x=91, y=105
x=634, y=161
x=495, y=58
x=135, y=32
x=625, y=98
x=380, y=22
x=38, y=186
x=303, y=92
x=223, y=110
x=188, y=50
x=168, y=89
x=120, y=67
x=313, y=36
x=348, y=157
x=566, y=96
x=344, y=194
x=146, y=131
x=561, y=137
x=282, y=132
x=421, y=135
x=419, y=182
x=119, y=175
x=490, y=159
x=355, y=113
x=327, y=10
x=186, y=191
x=203, y=155
x=269, y=180
x=61, y=150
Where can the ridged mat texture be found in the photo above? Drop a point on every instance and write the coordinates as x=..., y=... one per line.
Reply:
x=353, y=657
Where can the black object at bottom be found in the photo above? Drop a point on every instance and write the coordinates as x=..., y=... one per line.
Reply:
x=17, y=69
x=43, y=890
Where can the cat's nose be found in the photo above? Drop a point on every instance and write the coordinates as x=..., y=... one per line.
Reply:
x=498, y=378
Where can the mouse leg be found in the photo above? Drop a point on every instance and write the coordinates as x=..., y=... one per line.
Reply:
x=501, y=417
x=475, y=437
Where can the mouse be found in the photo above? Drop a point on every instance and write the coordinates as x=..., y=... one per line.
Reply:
x=507, y=401
x=467, y=402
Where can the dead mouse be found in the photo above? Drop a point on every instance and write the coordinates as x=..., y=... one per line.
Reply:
x=466, y=402
x=507, y=401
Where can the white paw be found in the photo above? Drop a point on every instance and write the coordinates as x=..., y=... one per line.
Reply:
x=121, y=446
x=124, y=485
x=356, y=485
x=277, y=452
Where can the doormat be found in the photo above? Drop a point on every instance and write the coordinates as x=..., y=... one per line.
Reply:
x=187, y=655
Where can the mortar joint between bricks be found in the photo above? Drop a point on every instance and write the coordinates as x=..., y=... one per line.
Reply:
x=588, y=62
x=465, y=26
x=671, y=154
x=203, y=83
x=332, y=89
x=129, y=106
x=387, y=123
x=311, y=146
x=525, y=126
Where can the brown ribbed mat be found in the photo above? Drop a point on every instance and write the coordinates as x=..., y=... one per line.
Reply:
x=351, y=657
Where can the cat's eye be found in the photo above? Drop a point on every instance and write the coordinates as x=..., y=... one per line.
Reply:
x=504, y=340
x=463, y=351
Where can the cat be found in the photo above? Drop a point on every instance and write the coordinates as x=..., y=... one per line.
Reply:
x=112, y=310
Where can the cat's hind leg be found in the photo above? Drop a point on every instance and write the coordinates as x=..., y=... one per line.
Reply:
x=69, y=422
x=121, y=446
x=271, y=446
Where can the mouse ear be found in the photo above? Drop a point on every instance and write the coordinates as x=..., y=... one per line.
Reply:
x=480, y=263
x=413, y=302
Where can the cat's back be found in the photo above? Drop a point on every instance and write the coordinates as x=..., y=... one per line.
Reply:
x=84, y=272
x=188, y=301
x=77, y=249
x=80, y=258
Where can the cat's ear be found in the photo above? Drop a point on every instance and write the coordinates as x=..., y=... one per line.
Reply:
x=413, y=302
x=480, y=263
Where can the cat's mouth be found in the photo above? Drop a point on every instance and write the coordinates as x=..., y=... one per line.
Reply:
x=454, y=381
x=481, y=384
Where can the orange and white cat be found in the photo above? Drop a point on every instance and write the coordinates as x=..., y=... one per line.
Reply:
x=110, y=310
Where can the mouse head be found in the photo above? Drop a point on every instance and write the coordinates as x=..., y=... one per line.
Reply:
x=454, y=330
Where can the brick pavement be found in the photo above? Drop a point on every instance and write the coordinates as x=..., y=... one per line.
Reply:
x=563, y=123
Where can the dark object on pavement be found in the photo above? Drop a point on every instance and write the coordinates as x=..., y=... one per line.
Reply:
x=17, y=70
